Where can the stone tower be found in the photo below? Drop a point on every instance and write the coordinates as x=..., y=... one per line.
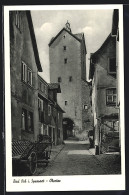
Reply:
x=67, y=56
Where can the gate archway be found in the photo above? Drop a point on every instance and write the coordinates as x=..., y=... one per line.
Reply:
x=68, y=126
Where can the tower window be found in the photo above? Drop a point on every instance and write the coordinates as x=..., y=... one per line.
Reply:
x=64, y=36
x=64, y=48
x=85, y=107
x=70, y=78
x=59, y=79
x=65, y=60
x=66, y=103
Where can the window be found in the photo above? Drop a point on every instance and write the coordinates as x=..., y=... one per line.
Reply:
x=24, y=119
x=40, y=109
x=58, y=115
x=112, y=66
x=29, y=76
x=59, y=79
x=64, y=36
x=66, y=103
x=27, y=120
x=111, y=96
x=45, y=90
x=24, y=72
x=70, y=78
x=17, y=19
x=30, y=121
x=64, y=48
x=65, y=61
x=85, y=107
x=49, y=110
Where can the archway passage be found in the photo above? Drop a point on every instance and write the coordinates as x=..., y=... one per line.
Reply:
x=68, y=125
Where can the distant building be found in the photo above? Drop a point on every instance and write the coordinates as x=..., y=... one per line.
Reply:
x=104, y=95
x=50, y=113
x=24, y=67
x=67, y=55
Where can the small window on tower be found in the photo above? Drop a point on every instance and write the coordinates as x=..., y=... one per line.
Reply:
x=59, y=79
x=70, y=79
x=66, y=103
x=64, y=48
x=64, y=36
x=65, y=60
x=85, y=107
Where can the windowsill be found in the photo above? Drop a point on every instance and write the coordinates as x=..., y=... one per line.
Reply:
x=30, y=132
x=27, y=84
x=111, y=105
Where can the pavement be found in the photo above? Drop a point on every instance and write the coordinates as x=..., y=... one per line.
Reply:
x=55, y=151
x=110, y=162
x=75, y=157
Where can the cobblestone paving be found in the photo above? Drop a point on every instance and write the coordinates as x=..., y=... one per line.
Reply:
x=74, y=159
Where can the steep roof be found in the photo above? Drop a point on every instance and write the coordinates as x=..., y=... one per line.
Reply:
x=33, y=39
x=59, y=108
x=115, y=21
x=79, y=37
x=93, y=55
x=53, y=86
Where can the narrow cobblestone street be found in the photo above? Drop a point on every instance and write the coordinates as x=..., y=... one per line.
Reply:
x=74, y=159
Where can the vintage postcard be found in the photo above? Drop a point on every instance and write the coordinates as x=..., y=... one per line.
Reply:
x=64, y=98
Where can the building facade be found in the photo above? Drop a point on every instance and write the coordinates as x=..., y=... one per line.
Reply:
x=50, y=114
x=67, y=56
x=24, y=67
x=34, y=108
x=104, y=96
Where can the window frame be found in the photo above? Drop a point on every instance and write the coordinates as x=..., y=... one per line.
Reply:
x=112, y=95
x=26, y=115
x=25, y=74
x=29, y=78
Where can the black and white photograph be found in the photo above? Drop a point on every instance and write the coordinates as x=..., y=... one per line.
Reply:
x=64, y=98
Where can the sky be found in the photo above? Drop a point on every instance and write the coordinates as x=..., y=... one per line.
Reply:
x=95, y=24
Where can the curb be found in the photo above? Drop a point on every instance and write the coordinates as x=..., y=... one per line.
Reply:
x=57, y=154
